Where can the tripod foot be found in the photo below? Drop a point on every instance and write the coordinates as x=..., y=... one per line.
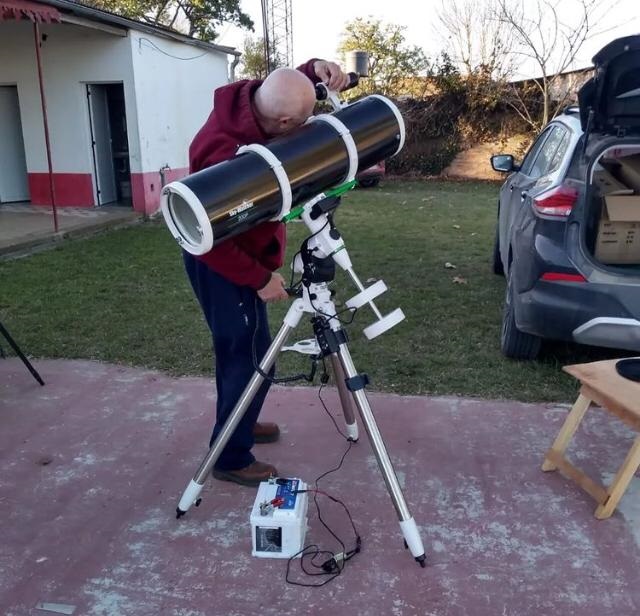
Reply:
x=191, y=496
x=412, y=539
x=181, y=512
x=352, y=432
x=421, y=560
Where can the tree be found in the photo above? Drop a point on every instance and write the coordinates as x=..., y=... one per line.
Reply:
x=252, y=64
x=494, y=39
x=252, y=61
x=392, y=63
x=478, y=42
x=550, y=45
x=198, y=18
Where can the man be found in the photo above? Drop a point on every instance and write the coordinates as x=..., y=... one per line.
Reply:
x=236, y=278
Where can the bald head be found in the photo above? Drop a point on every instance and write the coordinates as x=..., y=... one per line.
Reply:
x=284, y=101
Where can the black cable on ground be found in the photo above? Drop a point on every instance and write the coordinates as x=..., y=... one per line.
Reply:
x=333, y=563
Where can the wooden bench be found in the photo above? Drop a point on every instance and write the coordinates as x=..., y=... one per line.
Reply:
x=601, y=385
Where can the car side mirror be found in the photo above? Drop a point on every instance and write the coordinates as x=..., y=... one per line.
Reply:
x=504, y=163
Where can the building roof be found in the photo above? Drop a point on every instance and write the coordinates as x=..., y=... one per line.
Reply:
x=26, y=9
x=105, y=17
x=574, y=71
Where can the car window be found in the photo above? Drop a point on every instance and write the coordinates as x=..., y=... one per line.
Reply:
x=558, y=157
x=550, y=154
x=530, y=157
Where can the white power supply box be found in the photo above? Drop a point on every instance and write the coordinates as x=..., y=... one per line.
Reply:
x=279, y=518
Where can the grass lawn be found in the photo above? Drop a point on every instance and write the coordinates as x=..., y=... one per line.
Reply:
x=123, y=297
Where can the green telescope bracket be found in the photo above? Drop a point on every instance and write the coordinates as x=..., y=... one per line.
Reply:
x=293, y=214
x=333, y=192
x=340, y=190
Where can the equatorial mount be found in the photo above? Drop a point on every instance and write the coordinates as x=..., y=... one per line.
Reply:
x=325, y=247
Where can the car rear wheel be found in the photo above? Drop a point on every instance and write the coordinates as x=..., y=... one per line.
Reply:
x=514, y=343
x=498, y=268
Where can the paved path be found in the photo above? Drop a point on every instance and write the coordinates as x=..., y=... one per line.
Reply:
x=24, y=228
x=92, y=464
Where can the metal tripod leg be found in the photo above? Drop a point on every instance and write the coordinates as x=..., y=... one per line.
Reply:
x=346, y=399
x=407, y=523
x=191, y=495
x=13, y=344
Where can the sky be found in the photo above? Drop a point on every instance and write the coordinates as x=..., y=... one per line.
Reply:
x=317, y=26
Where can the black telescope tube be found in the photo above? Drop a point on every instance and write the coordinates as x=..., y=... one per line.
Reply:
x=374, y=128
x=234, y=195
x=262, y=182
x=313, y=157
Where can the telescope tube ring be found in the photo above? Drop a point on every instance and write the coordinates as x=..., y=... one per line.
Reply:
x=278, y=170
x=347, y=138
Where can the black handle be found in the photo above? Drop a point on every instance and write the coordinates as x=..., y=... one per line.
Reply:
x=354, y=80
x=322, y=90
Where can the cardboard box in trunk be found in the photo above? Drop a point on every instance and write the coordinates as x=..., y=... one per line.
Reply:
x=629, y=171
x=618, y=241
x=608, y=184
x=626, y=170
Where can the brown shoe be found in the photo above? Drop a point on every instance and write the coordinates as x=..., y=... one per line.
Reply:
x=250, y=475
x=266, y=432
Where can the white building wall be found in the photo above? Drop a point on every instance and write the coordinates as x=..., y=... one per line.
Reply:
x=168, y=89
x=18, y=68
x=174, y=85
x=71, y=57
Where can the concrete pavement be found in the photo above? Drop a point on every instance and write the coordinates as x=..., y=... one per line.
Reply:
x=24, y=227
x=92, y=466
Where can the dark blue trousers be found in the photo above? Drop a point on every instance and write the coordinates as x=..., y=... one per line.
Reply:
x=234, y=315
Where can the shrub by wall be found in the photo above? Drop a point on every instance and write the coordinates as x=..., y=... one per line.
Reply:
x=442, y=125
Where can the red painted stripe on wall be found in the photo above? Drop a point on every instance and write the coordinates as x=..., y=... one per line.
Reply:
x=145, y=188
x=72, y=189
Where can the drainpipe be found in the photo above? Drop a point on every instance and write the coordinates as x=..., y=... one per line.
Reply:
x=232, y=69
x=163, y=170
x=163, y=180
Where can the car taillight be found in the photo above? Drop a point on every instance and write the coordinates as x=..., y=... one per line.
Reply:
x=558, y=201
x=562, y=277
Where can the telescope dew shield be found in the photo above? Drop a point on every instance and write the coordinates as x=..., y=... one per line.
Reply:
x=221, y=201
x=262, y=183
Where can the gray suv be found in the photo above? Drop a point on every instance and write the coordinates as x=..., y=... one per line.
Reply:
x=568, y=232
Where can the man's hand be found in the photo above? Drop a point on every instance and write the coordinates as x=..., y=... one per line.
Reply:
x=331, y=75
x=274, y=290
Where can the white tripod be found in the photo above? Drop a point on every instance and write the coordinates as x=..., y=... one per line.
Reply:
x=316, y=262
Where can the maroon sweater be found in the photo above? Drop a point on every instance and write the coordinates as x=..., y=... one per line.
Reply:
x=248, y=258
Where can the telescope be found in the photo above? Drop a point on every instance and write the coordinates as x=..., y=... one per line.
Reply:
x=263, y=182
x=300, y=175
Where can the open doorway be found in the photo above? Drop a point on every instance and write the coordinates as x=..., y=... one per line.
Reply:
x=110, y=145
x=14, y=185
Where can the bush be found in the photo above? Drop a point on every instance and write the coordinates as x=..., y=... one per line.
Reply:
x=463, y=113
x=432, y=135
